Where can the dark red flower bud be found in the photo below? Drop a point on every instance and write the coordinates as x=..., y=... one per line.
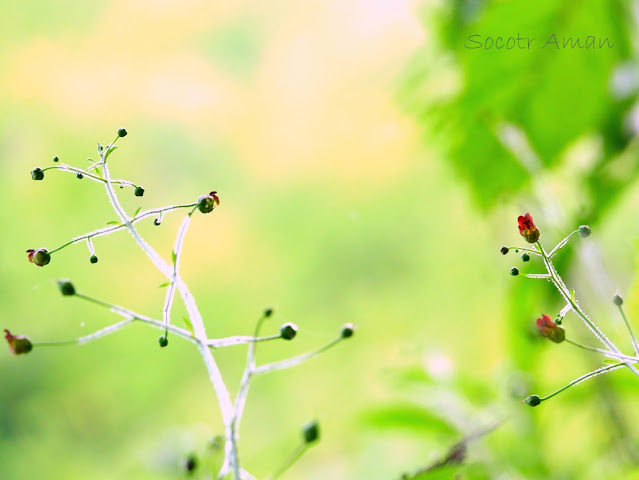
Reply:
x=206, y=203
x=18, y=344
x=527, y=228
x=548, y=328
x=40, y=257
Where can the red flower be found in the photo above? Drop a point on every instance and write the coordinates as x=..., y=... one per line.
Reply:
x=215, y=197
x=527, y=228
x=31, y=251
x=18, y=343
x=549, y=329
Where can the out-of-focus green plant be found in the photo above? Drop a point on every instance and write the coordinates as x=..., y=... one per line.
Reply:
x=195, y=332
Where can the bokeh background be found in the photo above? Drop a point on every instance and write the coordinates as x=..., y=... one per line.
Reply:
x=369, y=167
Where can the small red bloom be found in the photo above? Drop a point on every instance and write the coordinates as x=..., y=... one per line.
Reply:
x=549, y=329
x=215, y=197
x=17, y=343
x=527, y=228
x=31, y=251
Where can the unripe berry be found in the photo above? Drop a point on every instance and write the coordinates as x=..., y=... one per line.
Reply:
x=56, y=159
x=525, y=257
x=122, y=132
x=268, y=312
x=80, y=176
x=163, y=341
x=503, y=250
x=288, y=331
x=66, y=288
x=139, y=191
x=347, y=330
x=533, y=400
x=514, y=271
x=93, y=259
x=617, y=300
x=310, y=432
x=37, y=173
x=584, y=231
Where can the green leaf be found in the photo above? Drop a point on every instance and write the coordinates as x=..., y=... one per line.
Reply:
x=109, y=151
x=164, y=285
x=173, y=256
x=406, y=417
x=572, y=295
x=113, y=222
x=188, y=324
x=136, y=212
x=610, y=361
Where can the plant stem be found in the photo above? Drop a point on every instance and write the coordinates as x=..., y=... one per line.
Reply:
x=625, y=320
x=291, y=362
x=594, y=373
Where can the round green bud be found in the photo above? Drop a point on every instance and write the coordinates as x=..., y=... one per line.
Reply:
x=268, y=312
x=163, y=341
x=617, y=300
x=37, y=173
x=347, y=330
x=80, y=176
x=533, y=400
x=56, y=159
x=122, y=132
x=584, y=231
x=514, y=271
x=41, y=257
x=205, y=203
x=66, y=288
x=139, y=191
x=310, y=432
x=191, y=463
x=503, y=250
x=288, y=331
x=93, y=259
x=525, y=257
x=559, y=321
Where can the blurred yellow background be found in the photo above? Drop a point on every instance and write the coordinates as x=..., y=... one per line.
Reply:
x=335, y=207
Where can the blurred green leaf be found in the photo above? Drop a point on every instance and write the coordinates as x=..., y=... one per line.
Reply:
x=408, y=417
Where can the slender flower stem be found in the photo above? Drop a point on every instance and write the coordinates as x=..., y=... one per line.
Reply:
x=115, y=228
x=561, y=244
x=292, y=362
x=607, y=353
x=295, y=456
x=527, y=250
x=85, y=173
x=215, y=376
x=594, y=373
x=88, y=338
x=239, y=340
x=632, y=336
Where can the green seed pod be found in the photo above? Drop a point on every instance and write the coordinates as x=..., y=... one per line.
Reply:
x=617, y=300
x=41, y=257
x=37, y=173
x=584, y=231
x=503, y=250
x=122, y=132
x=18, y=344
x=525, y=257
x=56, y=159
x=66, y=288
x=310, y=432
x=163, y=341
x=268, y=312
x=80, y=176
x=533, y=400
x=288, y=331
x=93, y=259
x=347, y=330
x=139, y=191
x=514, y=271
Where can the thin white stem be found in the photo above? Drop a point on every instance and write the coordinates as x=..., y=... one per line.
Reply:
x=215, y=376
x=560, y=245
x=239, y=340
x=607, y=353
x=292, y=362
x=89, y=338
x=632, y=336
